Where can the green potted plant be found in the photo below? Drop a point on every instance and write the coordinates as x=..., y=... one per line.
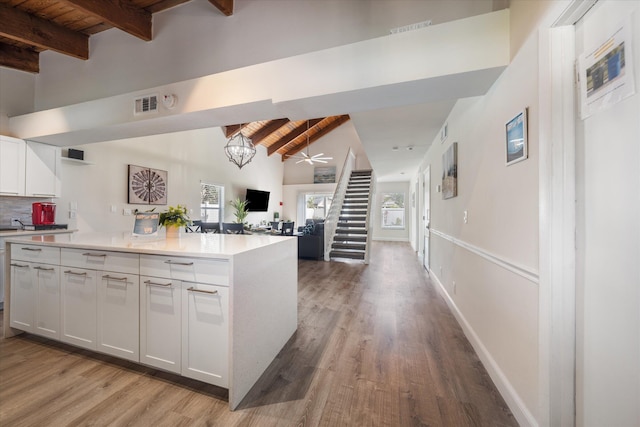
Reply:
x=241, y=211
x=174, y=219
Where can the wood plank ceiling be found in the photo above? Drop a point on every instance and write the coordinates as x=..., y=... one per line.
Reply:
x=29, y=27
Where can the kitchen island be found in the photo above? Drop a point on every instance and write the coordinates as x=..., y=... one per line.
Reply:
x=214, y=307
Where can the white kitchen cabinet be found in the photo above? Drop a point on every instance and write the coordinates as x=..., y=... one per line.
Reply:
x=160, y=323
x=42, y=170
x=12, y=166
x=205, y=333
x=78, y=309
x=47, y=280
x=23, y=297
x=118, y=321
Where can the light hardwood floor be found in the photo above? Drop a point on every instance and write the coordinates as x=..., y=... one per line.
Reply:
x=375, y=346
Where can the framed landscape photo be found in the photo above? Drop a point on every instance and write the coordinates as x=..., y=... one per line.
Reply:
x=516, y=138
x=450, y=172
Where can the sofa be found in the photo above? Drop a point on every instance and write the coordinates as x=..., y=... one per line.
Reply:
x=311, y=240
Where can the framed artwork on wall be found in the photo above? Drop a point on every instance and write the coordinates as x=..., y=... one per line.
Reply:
x=324, y=174
x=450, y=172
x=516, y=138
x=147, y=186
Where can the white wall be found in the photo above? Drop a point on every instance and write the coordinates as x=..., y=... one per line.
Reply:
x=189, y=157
x=608, y=237
x=488, y=267
x=195, y=39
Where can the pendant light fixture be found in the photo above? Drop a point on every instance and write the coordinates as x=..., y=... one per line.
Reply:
x=239, y=149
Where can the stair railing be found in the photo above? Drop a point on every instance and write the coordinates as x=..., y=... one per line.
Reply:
x=368, y=224
x=331, y=221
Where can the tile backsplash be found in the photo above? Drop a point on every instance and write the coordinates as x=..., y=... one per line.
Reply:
x=17, y=207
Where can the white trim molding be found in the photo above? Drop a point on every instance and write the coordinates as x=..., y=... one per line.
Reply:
x=522, y=271
x=506, y=389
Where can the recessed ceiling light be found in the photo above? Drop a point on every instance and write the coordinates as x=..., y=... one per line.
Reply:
x=395, y=148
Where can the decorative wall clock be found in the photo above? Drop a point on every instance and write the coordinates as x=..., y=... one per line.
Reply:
x=147, y=186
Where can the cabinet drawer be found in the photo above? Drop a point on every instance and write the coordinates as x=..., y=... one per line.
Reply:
x=213, y=271
x=121, y=262
x=35, y=253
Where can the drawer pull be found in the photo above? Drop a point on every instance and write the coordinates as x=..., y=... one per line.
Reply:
x=75, y=274
x=202, y=291
x=150, y=283
x=19, y=265
x=43, y=268
x=178, y=263
x=32, y=249
x=121, y=279
x=94, y=254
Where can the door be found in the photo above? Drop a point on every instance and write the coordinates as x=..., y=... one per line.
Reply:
x=160, y=320
x=426, y=215
x=79, y=305
x=118, y=318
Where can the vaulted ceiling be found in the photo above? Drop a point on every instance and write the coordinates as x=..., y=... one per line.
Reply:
x=65, y=26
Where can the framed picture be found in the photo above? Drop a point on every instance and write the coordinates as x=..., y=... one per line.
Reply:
x=450, y=172
x=324, y=175
x=516, y=138
x=444, y=132
x=147, y=186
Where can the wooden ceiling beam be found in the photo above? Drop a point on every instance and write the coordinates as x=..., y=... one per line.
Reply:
x=231, y=130
x=322, y=132
x=20, y=59
x=268, y=129
x=224, y=6
x=29, y=29
x=291, y=136
x=120, y=14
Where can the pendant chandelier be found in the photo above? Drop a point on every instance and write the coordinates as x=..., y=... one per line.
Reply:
x=239, y=149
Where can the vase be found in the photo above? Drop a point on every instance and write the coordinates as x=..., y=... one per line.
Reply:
x=173, y=231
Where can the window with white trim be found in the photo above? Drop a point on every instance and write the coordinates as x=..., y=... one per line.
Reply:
x=392, y=210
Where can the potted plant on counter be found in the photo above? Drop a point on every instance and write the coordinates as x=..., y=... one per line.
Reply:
x=174, y=219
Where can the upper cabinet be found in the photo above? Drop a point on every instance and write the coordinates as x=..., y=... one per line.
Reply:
x=12, y=165
x=29, y=168
x=42, y=170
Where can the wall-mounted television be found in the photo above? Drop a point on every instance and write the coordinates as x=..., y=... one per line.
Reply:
x=258, y=200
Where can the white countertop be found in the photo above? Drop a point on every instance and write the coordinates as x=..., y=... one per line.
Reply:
x=199, y=245
x=21, y=233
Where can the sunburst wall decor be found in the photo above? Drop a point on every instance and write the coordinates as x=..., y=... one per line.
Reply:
x=147, y=186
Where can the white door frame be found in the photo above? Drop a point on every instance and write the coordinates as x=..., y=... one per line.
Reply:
x=557, y=213
x=426, y=216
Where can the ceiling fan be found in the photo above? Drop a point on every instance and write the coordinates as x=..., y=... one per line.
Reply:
x=306, y=157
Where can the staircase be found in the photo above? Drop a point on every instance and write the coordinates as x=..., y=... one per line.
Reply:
x=350, y=239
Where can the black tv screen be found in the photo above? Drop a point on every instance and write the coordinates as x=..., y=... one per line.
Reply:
x=258, y=200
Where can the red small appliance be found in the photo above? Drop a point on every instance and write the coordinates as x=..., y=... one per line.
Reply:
x=43, y=213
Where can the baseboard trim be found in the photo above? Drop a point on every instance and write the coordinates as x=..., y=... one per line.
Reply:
x=509, y=394
x=522, y=271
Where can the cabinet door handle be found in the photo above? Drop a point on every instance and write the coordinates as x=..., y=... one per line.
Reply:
x=178, y=263
x=76, y=274
x=43, y=268
x=32, y=249
x=19, y=265
x=121, y=279
x=202, y=291
x=94, y=254
x=150, y=283
x=43, y=194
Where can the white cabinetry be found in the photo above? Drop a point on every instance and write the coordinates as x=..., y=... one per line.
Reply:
x=101, y=301
x=192, y=301
x=35, y=302
x=118, y=320
x=12, y=166
x=160, y=323
x=79, y=303
x=42, y=170
x=205, y=333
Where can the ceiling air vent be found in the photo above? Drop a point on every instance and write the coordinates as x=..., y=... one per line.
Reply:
x=146, y=104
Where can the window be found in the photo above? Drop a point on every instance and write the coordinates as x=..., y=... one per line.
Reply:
x=392, y=210
x=211, y=202
x=317, y=206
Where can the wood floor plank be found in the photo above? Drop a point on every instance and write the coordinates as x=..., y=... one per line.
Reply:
x=376, y=345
